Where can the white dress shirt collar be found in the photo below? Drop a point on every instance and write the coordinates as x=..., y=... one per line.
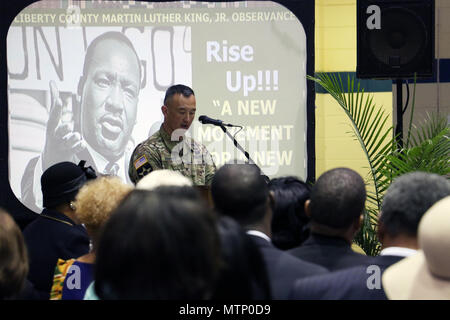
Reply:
x=398, y=251
x=260, y=234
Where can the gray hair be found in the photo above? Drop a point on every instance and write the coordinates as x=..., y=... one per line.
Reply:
x=408, y=198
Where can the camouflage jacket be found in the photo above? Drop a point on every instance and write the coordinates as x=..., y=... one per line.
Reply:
x=189, y=157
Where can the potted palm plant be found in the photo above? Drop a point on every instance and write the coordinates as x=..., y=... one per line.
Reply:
x=427, y=147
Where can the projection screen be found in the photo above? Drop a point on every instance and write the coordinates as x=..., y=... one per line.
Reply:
x=246, y=62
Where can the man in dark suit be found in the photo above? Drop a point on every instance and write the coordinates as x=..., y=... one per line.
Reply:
x=240, y=191
x=56, y=233
x=336, y=211
x=404, y=204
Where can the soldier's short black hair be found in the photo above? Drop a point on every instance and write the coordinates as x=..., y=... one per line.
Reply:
x=178, y=89
x=408, y=198
x=337, y=198
x=240, y=191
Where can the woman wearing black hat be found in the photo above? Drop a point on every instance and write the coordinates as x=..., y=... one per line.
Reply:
x=56, y=233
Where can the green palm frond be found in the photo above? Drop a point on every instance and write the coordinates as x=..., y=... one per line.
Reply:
x=429, y=155
x=429, y=128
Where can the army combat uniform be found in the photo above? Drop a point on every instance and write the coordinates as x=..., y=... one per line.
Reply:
x=188, y=157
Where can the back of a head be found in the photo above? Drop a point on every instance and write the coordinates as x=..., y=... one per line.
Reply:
x=337, y=198
x=97, y=199
x=164, y=177
x=61, y=182
x=289, y=222
x=240, y=191
x=13, y=257
x=424, y=275
x=408, y=198
x=157, y=246
x=243, y=275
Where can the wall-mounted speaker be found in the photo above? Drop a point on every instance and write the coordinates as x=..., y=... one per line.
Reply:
x=395, y=39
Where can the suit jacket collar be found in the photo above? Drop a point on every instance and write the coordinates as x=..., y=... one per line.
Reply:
x=260, y=242
x=57, y=215
x=318, y=239
x=386, y=261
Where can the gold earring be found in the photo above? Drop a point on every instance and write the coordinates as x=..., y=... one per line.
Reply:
x=72, y=206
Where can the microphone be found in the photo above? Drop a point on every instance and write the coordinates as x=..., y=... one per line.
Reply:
x=207, y=120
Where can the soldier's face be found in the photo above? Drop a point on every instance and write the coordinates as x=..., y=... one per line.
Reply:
x=179, y=113
x=109, y=98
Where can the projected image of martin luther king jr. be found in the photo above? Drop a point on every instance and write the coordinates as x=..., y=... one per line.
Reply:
x=98, y=128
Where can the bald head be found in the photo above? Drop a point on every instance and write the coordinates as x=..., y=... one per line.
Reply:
x=240, y=191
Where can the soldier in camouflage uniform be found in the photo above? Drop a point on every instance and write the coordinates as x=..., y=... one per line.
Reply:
x=169, y=148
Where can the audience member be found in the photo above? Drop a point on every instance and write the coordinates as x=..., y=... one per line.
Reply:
x=404, y=204
x=94, y=204
x=13, y=258
x=163, y=177
x=57, y=232
x=157, y=246
x=290, y=225
x=425, y=275
x=167, y=190
x=248, y=200
x=242, y=275
x=336, y=211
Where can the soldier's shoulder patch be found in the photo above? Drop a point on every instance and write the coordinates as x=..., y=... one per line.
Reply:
x=142, y=166
x=140, y=161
